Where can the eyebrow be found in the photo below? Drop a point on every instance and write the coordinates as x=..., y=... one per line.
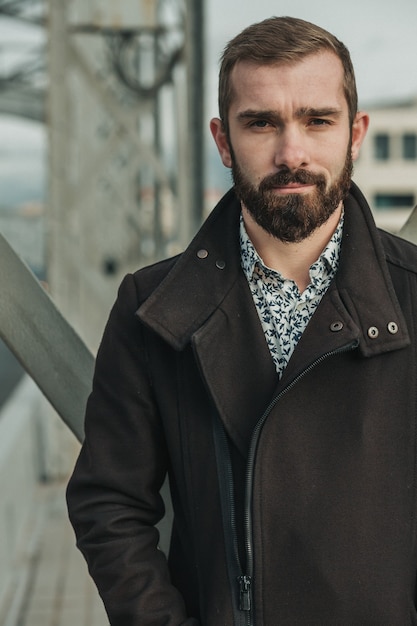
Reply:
x=300, y=113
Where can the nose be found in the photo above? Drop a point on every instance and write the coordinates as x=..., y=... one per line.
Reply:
x=291, y=151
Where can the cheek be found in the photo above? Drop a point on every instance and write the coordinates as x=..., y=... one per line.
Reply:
x=335, y=158
x=252, y=172
x=254, y=160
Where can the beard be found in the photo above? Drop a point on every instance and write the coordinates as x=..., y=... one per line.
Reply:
x=292, y=217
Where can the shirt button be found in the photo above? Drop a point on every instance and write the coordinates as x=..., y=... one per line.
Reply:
x=220, y=264
x=393, y=328
x=336, y=327
x=202, y=254
x=373, y=332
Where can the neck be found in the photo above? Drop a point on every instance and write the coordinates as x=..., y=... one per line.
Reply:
x=291, y=260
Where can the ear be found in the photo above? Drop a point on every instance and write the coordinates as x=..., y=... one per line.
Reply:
x=359, y=128
x=222, y=143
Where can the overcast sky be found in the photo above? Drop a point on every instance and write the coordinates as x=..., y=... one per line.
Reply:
x=380, y=34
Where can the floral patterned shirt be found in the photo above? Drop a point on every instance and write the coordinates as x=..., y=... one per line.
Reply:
x=284, y=311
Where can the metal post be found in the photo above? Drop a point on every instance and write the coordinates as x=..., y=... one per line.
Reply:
x=195, y=69
x=62, y=280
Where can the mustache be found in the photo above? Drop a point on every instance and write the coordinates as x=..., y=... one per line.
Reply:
x=285, y=177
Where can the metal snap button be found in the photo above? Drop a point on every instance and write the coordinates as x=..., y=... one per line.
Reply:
x=373, y=332
x=393, y=328
x=336, y=326
x=220, y=264
x=202, y=254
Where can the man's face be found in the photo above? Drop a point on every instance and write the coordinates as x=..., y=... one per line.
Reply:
x=289, y=143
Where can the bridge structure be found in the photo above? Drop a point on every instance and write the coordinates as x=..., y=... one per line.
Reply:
x=23, y=59
x=118, y=85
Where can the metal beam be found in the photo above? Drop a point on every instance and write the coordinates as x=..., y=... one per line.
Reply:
x=196, y=71
x=42, y=340
x=409, y=230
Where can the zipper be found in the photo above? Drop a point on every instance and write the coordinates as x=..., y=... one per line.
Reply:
x=242, y=582
x=245, y=592
x=248, y=534
x=239, y=583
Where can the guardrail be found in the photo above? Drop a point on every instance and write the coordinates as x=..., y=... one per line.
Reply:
x=43, y=341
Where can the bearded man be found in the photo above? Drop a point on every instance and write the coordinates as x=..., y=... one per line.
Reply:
x=269, y=371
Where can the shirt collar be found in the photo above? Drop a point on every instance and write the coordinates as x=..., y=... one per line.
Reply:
x=327, y=263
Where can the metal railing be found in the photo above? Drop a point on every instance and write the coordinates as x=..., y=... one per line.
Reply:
x=42, y=340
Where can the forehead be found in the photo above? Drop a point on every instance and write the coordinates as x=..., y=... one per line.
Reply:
x=316, y=79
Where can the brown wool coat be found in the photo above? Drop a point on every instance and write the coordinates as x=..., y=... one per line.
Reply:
x=333, y=494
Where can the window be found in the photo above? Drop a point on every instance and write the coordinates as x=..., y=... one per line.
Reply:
x=394, y=200
x=381, y=147
x=410, y=146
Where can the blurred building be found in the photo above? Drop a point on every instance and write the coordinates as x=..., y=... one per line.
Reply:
x=386, y=170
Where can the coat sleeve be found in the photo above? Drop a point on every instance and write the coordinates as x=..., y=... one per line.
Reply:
x=113, y=495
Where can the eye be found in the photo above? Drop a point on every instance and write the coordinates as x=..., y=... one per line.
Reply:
x=259, y=124
x=318, y=121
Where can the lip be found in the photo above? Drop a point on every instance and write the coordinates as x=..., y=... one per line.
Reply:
x=293, y=188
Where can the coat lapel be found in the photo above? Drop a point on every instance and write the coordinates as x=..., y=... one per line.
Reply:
x=205, y=300
x=236, y=363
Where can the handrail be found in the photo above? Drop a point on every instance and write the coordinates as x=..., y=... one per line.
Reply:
x=409, y=229
x=42, y=340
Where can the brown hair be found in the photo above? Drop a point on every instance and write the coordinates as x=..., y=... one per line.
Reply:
x=282, y=40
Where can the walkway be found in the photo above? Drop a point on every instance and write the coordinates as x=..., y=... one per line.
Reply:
x=56, y=587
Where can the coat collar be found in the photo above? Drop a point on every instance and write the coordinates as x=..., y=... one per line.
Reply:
x=209, y=268
x=205, y=301
x=364, y=283
x=200, y=280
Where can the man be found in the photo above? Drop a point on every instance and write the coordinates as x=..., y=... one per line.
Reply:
x=270, y=371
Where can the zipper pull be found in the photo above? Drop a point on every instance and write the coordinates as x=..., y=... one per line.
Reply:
x=244, y=589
